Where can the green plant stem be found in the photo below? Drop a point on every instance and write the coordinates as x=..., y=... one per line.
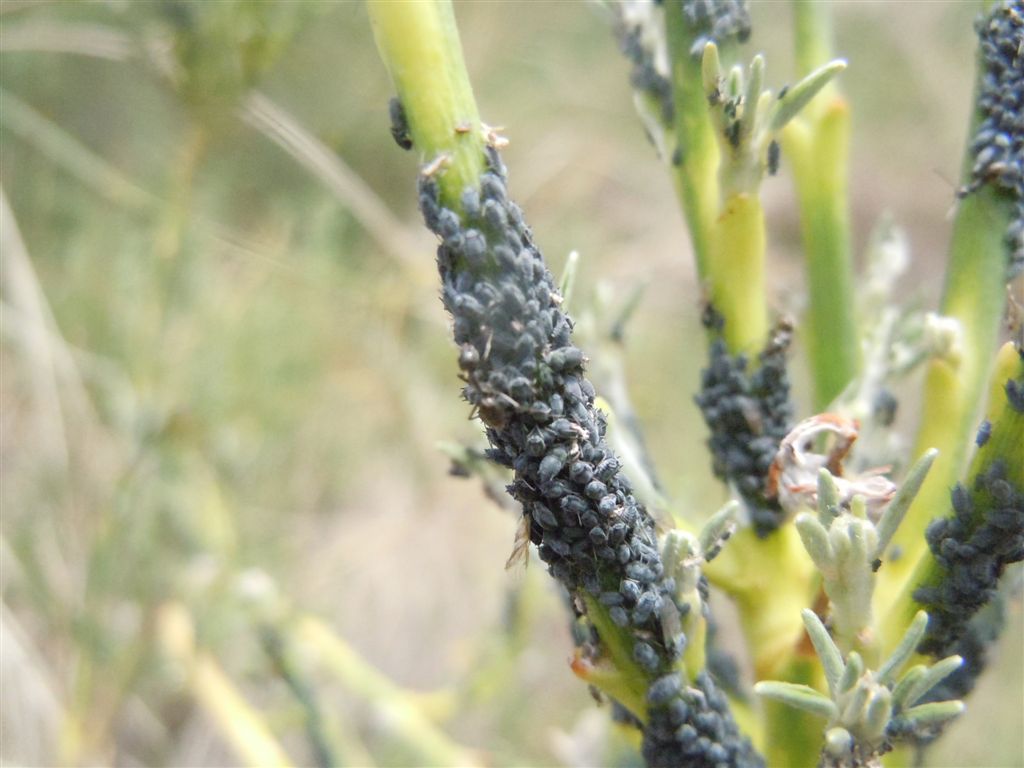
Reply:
x=793, y=737
x=736, y=273
x=419, y=43
x=771, y=580
x=405, y=720
x=696, y=175
x=974, y=296
x=817, y=146
x=812, y=34
x=1006, y=444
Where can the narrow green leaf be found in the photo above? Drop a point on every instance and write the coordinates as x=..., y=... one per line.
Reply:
x=854, y=669
x=828, y=497
x=828, y=652
x=878, y=714
x=734, y=82
x=815, y=540
x=568, y=281
x=908, y=645
x=932, y=714
x=854, y=710
x=800, y=696
x=755, y=81
x=906, y=685
x=711, y=69
x=897, y=509
x=932, y=677
x=721, y=525
x=800, y=95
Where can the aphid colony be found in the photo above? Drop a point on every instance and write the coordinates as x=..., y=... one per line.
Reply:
x=972, y=548
x=748, y=414
x=645, y=76
x=716, y=20
x=998, y=146
x=525, y=381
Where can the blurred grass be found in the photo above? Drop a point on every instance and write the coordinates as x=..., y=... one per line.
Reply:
x=225, y=371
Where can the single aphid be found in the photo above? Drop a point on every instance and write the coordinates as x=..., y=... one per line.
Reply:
x=984, y=433
x=399, y=124
x=774, y=155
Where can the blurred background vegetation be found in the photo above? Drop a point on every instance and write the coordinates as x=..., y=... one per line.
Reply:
x=226, y=373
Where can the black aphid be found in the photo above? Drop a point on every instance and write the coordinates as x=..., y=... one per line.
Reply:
x=972, y=549
x=399, y=124
x=998, y=145
x=748, y=413
x=774, y=155
x=538, y=408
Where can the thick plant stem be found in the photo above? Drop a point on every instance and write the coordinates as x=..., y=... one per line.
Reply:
x=736, y=273
x=1004, y=443
x=696, y=173
x=813, y=34
x=419, y=44
x=771, y=580
x=818, y=149
x=793, y=737
x=954, y=385
x=407, y=723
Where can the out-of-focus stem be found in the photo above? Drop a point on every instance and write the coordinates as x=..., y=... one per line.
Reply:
x=419, y=44
x=813, y=33
x=818, y=152
x=1005, y=443
x=407, y=722
x=974, y=296
x=817, y=146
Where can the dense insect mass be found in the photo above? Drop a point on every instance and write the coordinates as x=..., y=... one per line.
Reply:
x=748, y=413
x=973, y=548
x=524, y=379
x=998, y=145
x=716, y=21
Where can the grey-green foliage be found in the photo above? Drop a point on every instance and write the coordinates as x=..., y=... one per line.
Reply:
x=867, y=710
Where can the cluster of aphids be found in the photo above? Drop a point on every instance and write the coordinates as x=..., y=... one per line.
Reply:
x=716, y=20
x=645, y=76
x=748, y=414
x=973, y=548
x=525, y=381
x=693, y=727
x=998, y=145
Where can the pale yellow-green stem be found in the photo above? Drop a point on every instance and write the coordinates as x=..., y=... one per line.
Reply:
x=817, y=149
x=774, y=582
x=241, y=725
x=419, y=43
x=816, y=146
x=243, y=728
x=954, y=384
x=793, y=738
x=736, y=273
x=406, y=721
x=812, y=26
x=696, y=175
x=1005, y=443
x=974, y=296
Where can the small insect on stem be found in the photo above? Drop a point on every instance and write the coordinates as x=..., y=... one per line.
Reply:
x=774, y=154
x=399, y=124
